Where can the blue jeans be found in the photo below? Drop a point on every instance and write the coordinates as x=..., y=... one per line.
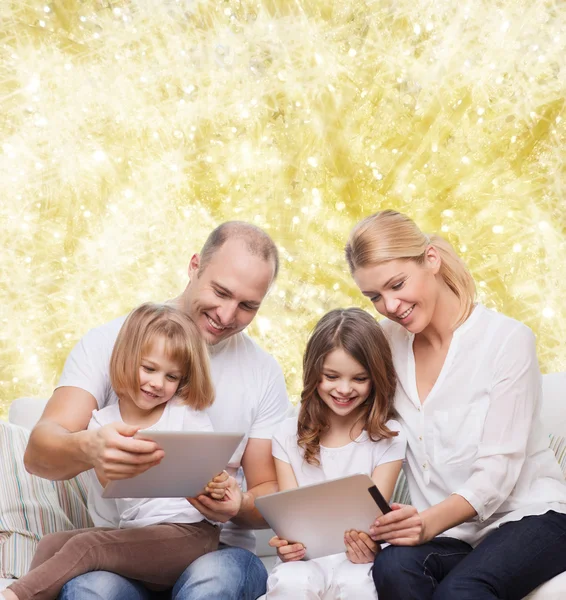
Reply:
x=229, y=573
x=511, y=562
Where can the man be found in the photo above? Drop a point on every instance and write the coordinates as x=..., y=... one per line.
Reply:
x=227, y=283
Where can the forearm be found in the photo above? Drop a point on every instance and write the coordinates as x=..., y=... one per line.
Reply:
x=449, y=513
x=249, y=516
x=55, y=453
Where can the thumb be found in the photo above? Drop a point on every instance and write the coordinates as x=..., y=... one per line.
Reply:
x=396, y=506
x=125, y=429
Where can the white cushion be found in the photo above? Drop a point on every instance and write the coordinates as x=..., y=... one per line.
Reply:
x=4, y=583
x=555, y=589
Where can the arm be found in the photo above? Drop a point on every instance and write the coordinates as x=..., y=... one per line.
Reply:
x=500, y=457
x=385, y=477
x=239, y=506
x=60, y=447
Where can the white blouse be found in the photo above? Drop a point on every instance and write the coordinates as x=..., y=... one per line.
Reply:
x=478, y=433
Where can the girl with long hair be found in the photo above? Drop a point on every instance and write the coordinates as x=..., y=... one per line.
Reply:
x=488, y=518
x=160, y=372
x=345, y=426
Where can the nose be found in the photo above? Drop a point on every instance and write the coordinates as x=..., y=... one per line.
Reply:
x=227, y=313
x=344, y=387
x=156, y=381
x=391, y=304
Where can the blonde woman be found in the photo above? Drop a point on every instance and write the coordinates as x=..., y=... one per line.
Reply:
x=488, y=518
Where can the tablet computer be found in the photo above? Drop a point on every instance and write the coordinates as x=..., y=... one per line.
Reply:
x=318, y=515
x=192, y=459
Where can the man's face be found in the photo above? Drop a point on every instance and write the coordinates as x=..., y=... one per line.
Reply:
x=224, y=298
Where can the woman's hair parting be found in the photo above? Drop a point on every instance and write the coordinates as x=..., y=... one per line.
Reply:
x=359, y=335
x=183, y=345
x=389, y=235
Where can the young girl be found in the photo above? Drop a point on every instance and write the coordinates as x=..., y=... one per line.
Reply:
x=344, y=427
x=159, y=370
x=489, y=514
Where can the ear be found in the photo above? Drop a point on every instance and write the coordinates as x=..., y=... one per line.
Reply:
x=194, y=265
x=433, y=261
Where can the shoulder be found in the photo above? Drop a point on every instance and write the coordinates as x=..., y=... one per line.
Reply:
x=108, y=414
x=508, y=332
x=104, y=334
x=286, y=429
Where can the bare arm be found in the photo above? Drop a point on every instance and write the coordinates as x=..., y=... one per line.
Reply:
x=57, y=447
x=259, y=470
x=60, y=447
x=385, y=477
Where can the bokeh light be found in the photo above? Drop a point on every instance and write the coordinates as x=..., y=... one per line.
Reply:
x=130, y=129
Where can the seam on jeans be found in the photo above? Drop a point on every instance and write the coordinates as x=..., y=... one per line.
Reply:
x=425, y=568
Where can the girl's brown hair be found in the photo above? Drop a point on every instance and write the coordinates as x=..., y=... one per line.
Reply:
x=389, y=235
x=183, y=345
x=359, y=335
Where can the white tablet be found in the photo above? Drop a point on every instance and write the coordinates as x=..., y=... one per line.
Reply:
x=318, y=515
x=192, y=459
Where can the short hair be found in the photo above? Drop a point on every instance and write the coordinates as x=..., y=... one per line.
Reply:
x=256, y=240
x=357, y=333
x=183, y=345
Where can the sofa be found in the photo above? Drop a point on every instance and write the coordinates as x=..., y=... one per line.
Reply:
x=39, y=506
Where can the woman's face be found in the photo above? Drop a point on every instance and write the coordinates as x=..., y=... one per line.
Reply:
x=403, y=290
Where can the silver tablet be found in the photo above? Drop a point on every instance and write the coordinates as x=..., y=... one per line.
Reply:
x=318, y=515
x=192, y=459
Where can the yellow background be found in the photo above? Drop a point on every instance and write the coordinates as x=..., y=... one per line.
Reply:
x=130, y=129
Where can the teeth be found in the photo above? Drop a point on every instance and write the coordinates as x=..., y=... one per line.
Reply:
x=406, y=313
x=214, y=324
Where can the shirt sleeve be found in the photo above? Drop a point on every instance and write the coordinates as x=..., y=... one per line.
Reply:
x=391, y=449
x=274, y=405
x=279, y=443
x=88, y=365
x=514, y=398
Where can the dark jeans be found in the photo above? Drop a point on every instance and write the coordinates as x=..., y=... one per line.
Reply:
x=511, y=562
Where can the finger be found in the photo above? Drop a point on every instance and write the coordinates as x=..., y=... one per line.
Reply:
x=291, y=548
x=395, y=516
x=221, y=477
x=124, y=471
x=386, y=530
x=292, y=556
x=127, y=458
x=132, y=445
x=352, y=547
x=361, y=546
x=371, y=545
x=276, y=542
x=413, y=533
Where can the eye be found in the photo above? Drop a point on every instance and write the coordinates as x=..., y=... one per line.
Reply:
x=375, y=298
x=361, y=379
x=148, y=369
x=331, y=377
x=172, y=377
x=220, y=294
x=248, y=307
x=398, y=286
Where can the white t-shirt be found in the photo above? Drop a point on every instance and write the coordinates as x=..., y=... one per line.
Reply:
x=359, y=456
x=250, y=392
x=126, y=513
x=478, y=433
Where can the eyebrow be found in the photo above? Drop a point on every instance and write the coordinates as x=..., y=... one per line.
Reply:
x=364, y=372
x=156, y=365
x=229, y=293
x=386, y=283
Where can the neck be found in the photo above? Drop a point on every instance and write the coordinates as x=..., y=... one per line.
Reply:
x=439, y=331
x=132, y=415
x=350, y=424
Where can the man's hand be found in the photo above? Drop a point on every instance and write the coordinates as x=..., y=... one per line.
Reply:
x=287, y=552
x=360, y=548
x=403, y=526
x=115, y=454
x=221, y=510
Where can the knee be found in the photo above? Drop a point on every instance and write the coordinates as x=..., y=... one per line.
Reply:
x=100, y=585
x=391, y=565
x=292, y=580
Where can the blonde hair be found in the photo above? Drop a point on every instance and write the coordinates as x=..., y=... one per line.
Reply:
x=389, y=235
x=183, y=345
x=360, y=336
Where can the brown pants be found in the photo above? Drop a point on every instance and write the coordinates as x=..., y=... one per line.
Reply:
x=155, y=555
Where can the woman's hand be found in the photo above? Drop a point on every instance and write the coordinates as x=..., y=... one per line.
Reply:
x=217, y=487
x=403, y=526
x=287, y=552
x=360, y=548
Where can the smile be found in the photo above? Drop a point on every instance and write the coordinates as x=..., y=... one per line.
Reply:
x=214, y=324
x=342, y=401
x=406, y=313
x=150, y=394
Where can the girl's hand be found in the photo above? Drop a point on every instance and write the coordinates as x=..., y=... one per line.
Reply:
x=403, y=526
x=360, y=548
x=217, y=487
x=287, y=552
x=220, y=510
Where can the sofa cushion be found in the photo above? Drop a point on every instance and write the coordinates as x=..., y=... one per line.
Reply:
x=30, y=506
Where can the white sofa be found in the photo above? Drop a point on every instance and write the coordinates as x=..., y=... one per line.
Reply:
x=26, y=411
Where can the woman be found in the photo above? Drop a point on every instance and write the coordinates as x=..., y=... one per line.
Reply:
x=489, y=513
